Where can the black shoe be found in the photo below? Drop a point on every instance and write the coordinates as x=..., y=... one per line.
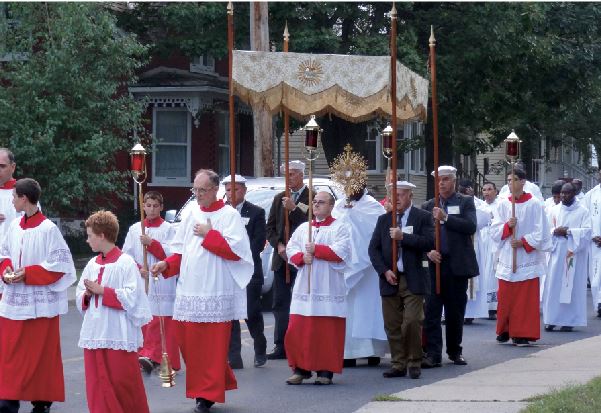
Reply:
x=549, y=327
x=146, y=364
x=468, y=321
x=415, y=372
x=430, y=363
x=278, y=353
x=492, y=314
x=236, y=363
x=41, y=407
x=394, y=373
x=349, y=363
x=599, y=310
x=566, y=329
x=520, y=342
x=373, y=361
x=260, y=360
x=203, y=405
x=503, y=337
x=458, y=360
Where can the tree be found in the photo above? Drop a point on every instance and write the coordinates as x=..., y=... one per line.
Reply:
x=64, y=111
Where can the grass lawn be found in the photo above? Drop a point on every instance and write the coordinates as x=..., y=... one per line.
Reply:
x=573, y=399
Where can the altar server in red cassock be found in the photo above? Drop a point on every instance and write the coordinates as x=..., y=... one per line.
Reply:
x=110, y=295
x=518, y=313
x=211, y=253
x=32, y=300
x=315, y=337
x=161, y=291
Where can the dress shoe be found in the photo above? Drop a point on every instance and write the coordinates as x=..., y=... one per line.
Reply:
x=599, y=310
x=322, y=381
x=503, y=337
x=373, y=361
x=492, y=314
x=278, y=353
x=203, y=405
x=468, y=321
x=566, y=329
x=520, y=342
x=298, y=377
x=415, y=372
x=429, y=363
x=394, y=373
x=146, y=364
x=349, y=363
x=236, y=363
x=549, y=327
x=260, y=360
x=458, y=360
x=41, y=407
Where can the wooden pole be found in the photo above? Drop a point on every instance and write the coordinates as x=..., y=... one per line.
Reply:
x=287, y=161
x=514, y=255
x=230, y=55
x=310, y=215
x=435, y=139
x=144, y=248
x=393, y=122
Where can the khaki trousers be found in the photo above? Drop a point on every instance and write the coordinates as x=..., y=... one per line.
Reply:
x=403, y=319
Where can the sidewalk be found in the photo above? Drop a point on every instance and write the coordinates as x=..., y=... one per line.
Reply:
x=504, y=386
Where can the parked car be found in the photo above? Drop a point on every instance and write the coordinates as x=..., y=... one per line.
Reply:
x=260, y=191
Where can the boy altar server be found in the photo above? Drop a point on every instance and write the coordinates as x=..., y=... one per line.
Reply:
x=315, y=337
x=32, y=300
x=161, y=291
x=110, y=295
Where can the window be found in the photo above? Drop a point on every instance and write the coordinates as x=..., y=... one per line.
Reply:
x=417, y=157
x=202, y=64
x=223, y=150
x=171, y=155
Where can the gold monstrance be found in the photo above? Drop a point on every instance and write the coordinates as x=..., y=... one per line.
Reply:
x=349, y=171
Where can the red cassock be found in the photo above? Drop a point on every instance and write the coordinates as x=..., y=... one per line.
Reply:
x=518, y=310
x=30, y=356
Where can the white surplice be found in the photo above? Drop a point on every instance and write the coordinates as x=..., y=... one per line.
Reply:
x=328, y=288
x=365, y=335
x=42, y=245
x=592, y=202
x=477, y=305
x=564, y=299
x=211, y=289
x=7, y=208
x=105, y=327
x=161, y=292
x=533, y=226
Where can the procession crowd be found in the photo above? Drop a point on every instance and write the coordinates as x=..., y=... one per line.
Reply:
x=340, y=294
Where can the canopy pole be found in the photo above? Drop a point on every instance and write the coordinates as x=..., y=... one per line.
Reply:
x=435, y=139
x=393, y=192
x=230, y=49
x=286, y=161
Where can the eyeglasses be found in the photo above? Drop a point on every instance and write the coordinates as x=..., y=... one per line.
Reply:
x=201, y=191
x=318, y=202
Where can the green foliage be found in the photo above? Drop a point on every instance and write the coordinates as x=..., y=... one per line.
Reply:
x=65, y=113
x=573, y=399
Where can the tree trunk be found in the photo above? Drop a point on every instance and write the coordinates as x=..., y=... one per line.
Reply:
x=259, y=40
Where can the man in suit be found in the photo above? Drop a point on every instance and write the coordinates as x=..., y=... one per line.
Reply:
x=457, y=258
x=403, y=293
x=297, y=208
x=253, y=218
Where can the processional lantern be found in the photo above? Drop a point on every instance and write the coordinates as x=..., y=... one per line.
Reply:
x=512, y=151
x=312, y=134
x=512, y=146
x=138, y=163
x=387, y=142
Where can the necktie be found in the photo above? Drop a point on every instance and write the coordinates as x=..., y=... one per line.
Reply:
x=295, y=196
x=399, y=263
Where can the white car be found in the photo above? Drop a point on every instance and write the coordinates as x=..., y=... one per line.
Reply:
x=260, y=191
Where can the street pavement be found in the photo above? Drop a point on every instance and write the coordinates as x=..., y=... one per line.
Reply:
x=502, y=373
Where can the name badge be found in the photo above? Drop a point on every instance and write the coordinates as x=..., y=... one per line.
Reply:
x=245, y=220
x=425, y=264
x=453, y=210
x=408, y=229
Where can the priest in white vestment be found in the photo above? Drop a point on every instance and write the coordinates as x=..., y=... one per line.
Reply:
x=211, y=254
x=110, y=295
x=315, y=337
x=7, y=183
x=592, y=202
x=32, y=300
x=518, y=315
x=365, y=335
x=564, y=299
x=161, y=291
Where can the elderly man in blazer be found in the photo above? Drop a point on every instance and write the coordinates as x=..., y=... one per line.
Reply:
x=403, y=294
x=253, y=217
x=457, y=216
x=297, y=208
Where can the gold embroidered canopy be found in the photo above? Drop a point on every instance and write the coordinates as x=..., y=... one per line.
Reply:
x=355, y=88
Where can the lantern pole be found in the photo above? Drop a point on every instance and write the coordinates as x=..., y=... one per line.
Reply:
x=435, y=139
x=287, y=162
x=312, y=136
x=512, y=151
x=393, y=121
x=230, y=54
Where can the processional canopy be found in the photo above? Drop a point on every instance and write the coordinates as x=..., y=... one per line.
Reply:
x=354, y=88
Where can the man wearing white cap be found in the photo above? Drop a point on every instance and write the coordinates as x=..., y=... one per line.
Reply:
x=457, y=258
x=403, y=291
x=253, y=218
x=297, y=208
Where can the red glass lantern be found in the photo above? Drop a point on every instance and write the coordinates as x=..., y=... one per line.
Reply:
x=311, y=134
x=138, y=161
x=387, y=140
x=512, y=145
